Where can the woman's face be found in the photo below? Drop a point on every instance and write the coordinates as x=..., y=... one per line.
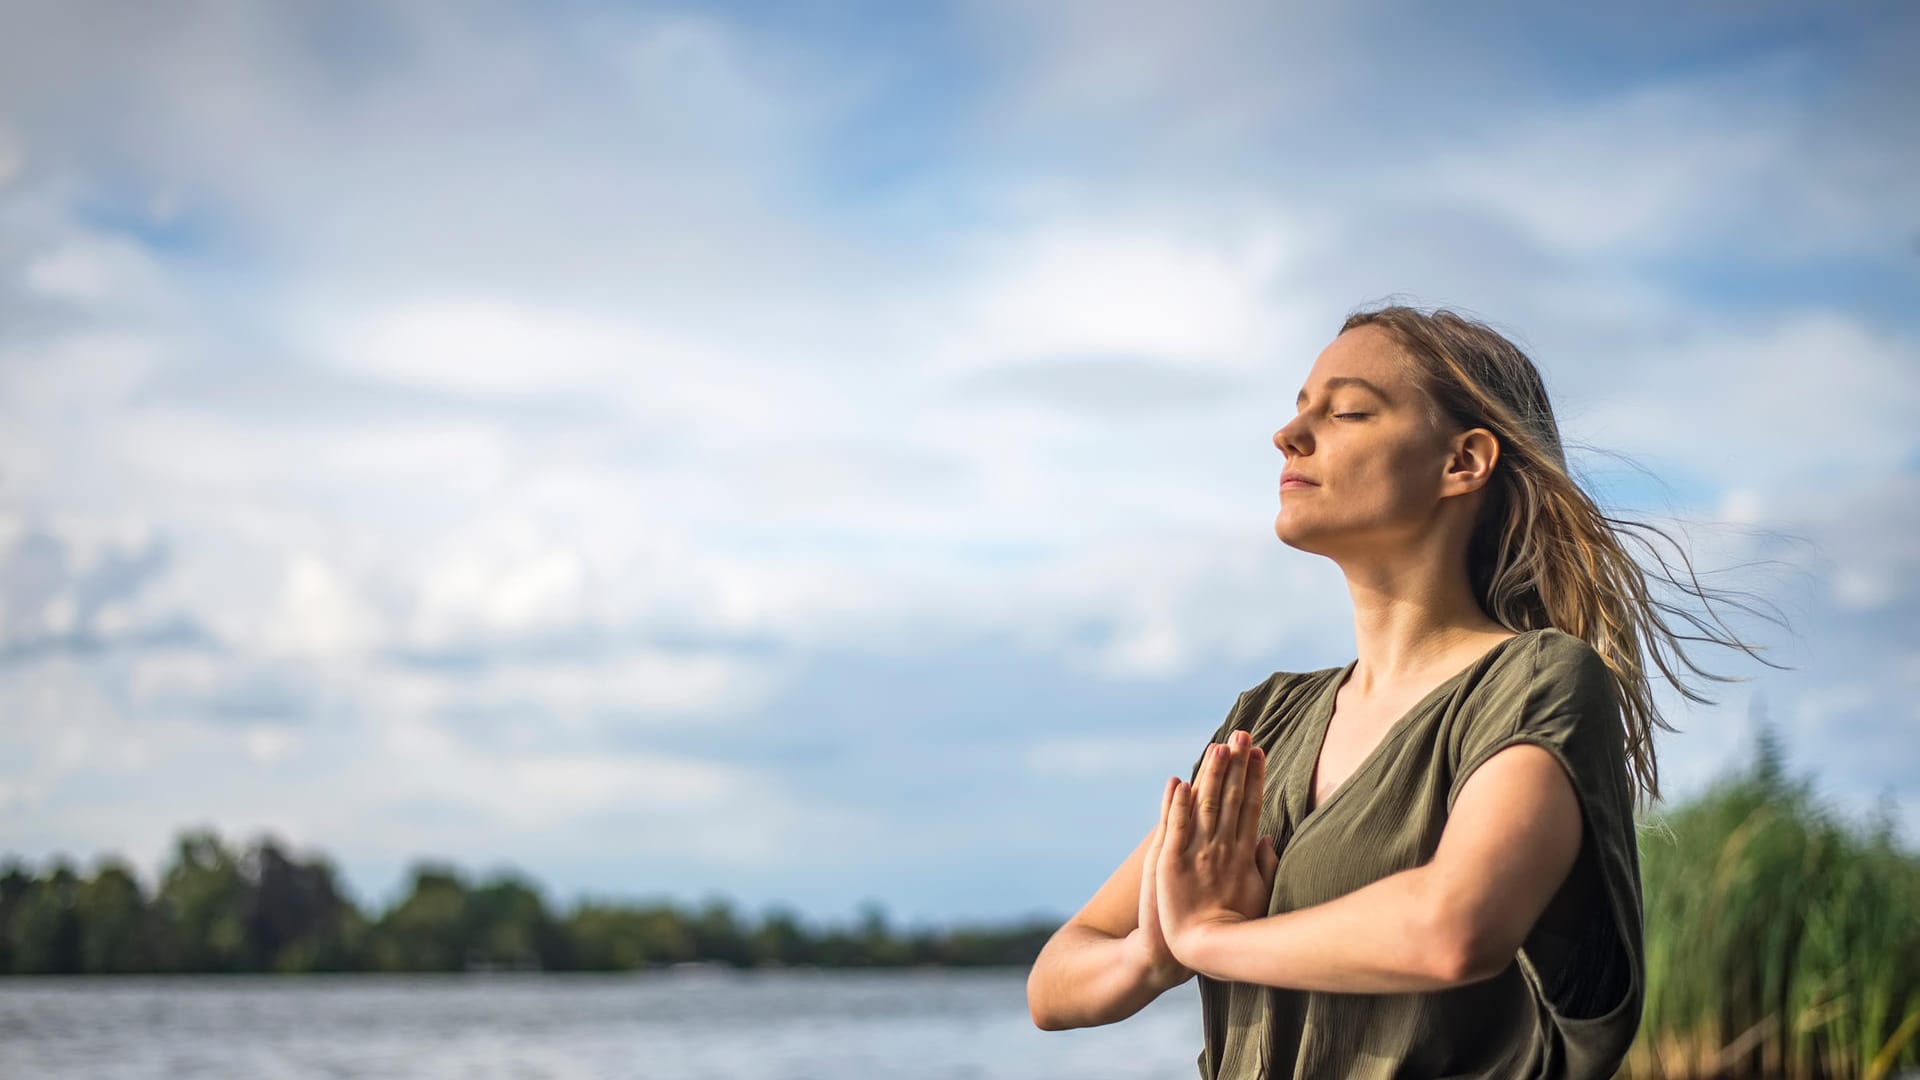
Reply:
x=1363, y=435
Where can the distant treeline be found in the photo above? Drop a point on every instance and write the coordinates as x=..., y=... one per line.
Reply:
x=218, y=910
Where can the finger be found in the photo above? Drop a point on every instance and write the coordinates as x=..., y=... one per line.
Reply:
x=1254, y=793
x=1268, y=860
x=1179, y=823
x=1206, y=790
x=1233, y=788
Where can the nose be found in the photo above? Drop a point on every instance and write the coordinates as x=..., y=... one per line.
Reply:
x=1293, y=439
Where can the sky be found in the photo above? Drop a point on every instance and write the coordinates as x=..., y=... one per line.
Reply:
x=821, y=454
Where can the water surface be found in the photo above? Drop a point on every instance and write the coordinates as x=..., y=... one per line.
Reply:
x=705, y=1024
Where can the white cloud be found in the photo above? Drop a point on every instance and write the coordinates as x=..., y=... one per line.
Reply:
x=1655, y=170
x=1805, y=401
x=319, y=614
x=1115, y=289
x=533, y=790
x=96, y=270
x=638, y=688
x=267, y=744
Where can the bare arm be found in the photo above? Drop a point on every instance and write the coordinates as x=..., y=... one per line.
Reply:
x=1102, y=966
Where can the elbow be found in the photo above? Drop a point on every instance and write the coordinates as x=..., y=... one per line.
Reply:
x=1461, y=949
x=1038, y=1015
x=1041, y=1018
x=1459, y=958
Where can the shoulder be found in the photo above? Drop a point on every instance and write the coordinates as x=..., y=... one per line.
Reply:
x=1540, y=664
x=1572, y=669
x=1547, y=680
x=1284, y=682
x=1558, y=693
x=1288, y=690
x=1271, y=707
x=1554, y=646
x=1564, y=694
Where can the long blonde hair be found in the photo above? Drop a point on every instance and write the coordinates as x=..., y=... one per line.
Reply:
x=1543, y=553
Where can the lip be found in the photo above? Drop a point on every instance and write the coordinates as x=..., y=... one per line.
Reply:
x=1290, y=480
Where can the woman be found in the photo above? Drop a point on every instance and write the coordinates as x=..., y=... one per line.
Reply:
x=1421, y=863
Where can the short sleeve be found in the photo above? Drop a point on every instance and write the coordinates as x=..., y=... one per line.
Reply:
x=1588, y=965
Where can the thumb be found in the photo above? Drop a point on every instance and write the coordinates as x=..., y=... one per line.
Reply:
x=1267, y=859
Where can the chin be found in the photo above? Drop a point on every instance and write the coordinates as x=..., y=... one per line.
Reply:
x=1305, y=532
x=1289, y=533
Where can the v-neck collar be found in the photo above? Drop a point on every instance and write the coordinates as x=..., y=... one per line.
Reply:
x=1322, y=718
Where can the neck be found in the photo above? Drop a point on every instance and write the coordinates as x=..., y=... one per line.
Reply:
x=1412, y=617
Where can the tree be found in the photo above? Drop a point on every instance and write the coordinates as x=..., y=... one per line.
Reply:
x=510, y=926
x=297, y=919
x=16, y=882
x=430, y=929
x=116, y=925
x=45, y=928
x=207, y=900
x=781, y=940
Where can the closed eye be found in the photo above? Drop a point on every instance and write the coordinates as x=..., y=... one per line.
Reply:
x=1343, y=415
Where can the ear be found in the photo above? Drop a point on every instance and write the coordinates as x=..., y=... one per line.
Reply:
x=1470, y=461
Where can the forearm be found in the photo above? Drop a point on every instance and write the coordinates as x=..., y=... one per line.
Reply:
x=1084, y=978
x=1388, y=937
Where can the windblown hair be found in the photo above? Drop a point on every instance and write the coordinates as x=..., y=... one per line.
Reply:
x=1543, y=553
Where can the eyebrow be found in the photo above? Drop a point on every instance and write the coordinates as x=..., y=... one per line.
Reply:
x=1338, y=381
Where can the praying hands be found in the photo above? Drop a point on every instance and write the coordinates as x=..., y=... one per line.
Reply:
x=1207, y=865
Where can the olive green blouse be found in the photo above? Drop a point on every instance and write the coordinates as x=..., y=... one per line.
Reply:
x=1569, y=1004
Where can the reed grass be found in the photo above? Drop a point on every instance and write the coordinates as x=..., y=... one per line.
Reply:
x=1781, y=941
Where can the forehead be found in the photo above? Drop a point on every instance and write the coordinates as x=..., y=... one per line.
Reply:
x=1364, y=352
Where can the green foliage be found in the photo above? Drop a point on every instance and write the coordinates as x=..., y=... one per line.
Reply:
x=1781, y=941
x=222, y=910
x=116, y=927
x=610, y=938
x=204, y=904
x=44, y=931
x=442, y=924
x=296, y=919
x=428, y=930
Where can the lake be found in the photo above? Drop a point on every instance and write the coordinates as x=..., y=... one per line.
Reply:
x=795, y=1024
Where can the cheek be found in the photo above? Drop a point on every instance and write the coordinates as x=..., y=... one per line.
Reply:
x=1415, y=481
x=1393, y=480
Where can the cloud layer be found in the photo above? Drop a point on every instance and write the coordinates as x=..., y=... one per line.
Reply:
x=821, y=460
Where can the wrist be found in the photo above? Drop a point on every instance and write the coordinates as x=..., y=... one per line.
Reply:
x=1199, y=941
x=1159, y=972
